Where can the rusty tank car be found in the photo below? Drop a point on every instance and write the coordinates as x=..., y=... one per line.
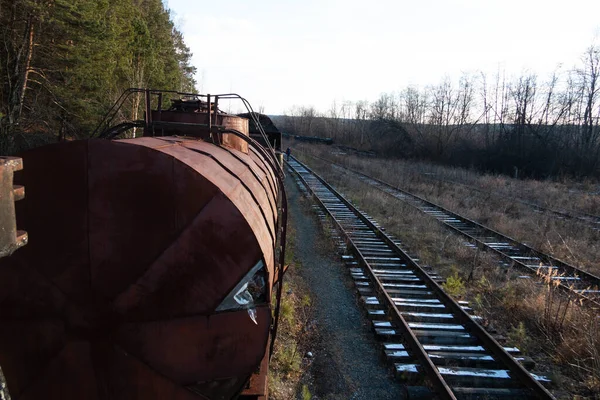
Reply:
x=154, y=264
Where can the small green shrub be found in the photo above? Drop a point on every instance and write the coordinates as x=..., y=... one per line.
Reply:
x=518, y=335
x=289, y=359
x=287, y=312
x=454, y=285
x=478, y=301
x=306, y=393
x=306, y=301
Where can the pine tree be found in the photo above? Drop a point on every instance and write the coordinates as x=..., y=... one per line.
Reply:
x=65, y=62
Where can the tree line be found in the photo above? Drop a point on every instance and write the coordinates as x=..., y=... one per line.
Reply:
x=63, y=63
x=523, y=125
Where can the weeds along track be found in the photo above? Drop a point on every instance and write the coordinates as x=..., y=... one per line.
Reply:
x=572, y=280
x=593, y=221
x=423, y=330
x=579, y=216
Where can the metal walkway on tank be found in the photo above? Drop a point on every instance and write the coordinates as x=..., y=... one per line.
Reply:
x=423, y=330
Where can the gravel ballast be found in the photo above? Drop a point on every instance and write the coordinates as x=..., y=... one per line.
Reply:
x=347, y=362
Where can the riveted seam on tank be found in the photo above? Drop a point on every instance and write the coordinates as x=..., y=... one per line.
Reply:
x=271, y=200
x=215, y=159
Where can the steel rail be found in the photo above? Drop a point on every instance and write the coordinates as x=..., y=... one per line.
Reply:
x=568, y=270
x=593, y=221
x=417, y=350
x=518, y=371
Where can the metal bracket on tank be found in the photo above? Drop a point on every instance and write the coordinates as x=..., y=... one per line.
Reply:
x=4, y=395
x=10, y=238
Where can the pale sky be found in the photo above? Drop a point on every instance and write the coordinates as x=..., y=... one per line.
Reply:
x=283, y=53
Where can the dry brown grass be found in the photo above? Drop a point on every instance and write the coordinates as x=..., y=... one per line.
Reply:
x=574, y=243
x=288, y=365
x=560, y=336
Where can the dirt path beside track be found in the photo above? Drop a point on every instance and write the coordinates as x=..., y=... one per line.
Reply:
x=346, y=360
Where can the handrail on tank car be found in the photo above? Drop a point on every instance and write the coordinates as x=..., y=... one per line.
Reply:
x=114, y=109
x=252, y=114
x=227, y=96
x=108, y=118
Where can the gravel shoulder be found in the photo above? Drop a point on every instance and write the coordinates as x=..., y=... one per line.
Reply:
x=347, y=362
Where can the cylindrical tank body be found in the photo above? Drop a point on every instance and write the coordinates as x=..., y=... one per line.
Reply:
x=132, y=285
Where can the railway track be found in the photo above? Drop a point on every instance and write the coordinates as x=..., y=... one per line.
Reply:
x=593, y=221
x=590, y=220
x=583, y=285
x=424, y=331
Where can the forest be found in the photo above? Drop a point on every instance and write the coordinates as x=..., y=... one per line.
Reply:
x=64, y=63
x=524, y=126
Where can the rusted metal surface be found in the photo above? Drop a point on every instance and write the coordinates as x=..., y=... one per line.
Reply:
x=10, y=238
x=201, y=124
x=258, y=386
x=249, y=199
x=139, y=242
x=173, y=348
x=273, y=134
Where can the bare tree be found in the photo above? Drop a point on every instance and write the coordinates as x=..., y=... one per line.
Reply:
x=413, y=111
x=539, y=126
x=18, y=39
x=308, y=116
x=587, y=110
x=384, y=107
x=361, y=111
x=591, y=89
x=333, y=121
x=450, y=112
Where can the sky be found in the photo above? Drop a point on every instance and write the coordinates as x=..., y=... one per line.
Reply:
x=286, y=53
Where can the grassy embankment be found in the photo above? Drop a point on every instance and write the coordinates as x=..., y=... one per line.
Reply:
x=576, y=243
x=562, y=337
x=288, y=365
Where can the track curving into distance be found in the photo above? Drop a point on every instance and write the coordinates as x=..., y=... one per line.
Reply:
x=424, y=331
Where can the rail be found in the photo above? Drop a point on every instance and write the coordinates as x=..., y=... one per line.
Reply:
x=584, y=285
x=593, y=221
x=458, y=356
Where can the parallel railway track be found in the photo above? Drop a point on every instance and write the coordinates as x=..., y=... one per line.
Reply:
x=592, y=221
x=424, y=330
x=585, y=286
